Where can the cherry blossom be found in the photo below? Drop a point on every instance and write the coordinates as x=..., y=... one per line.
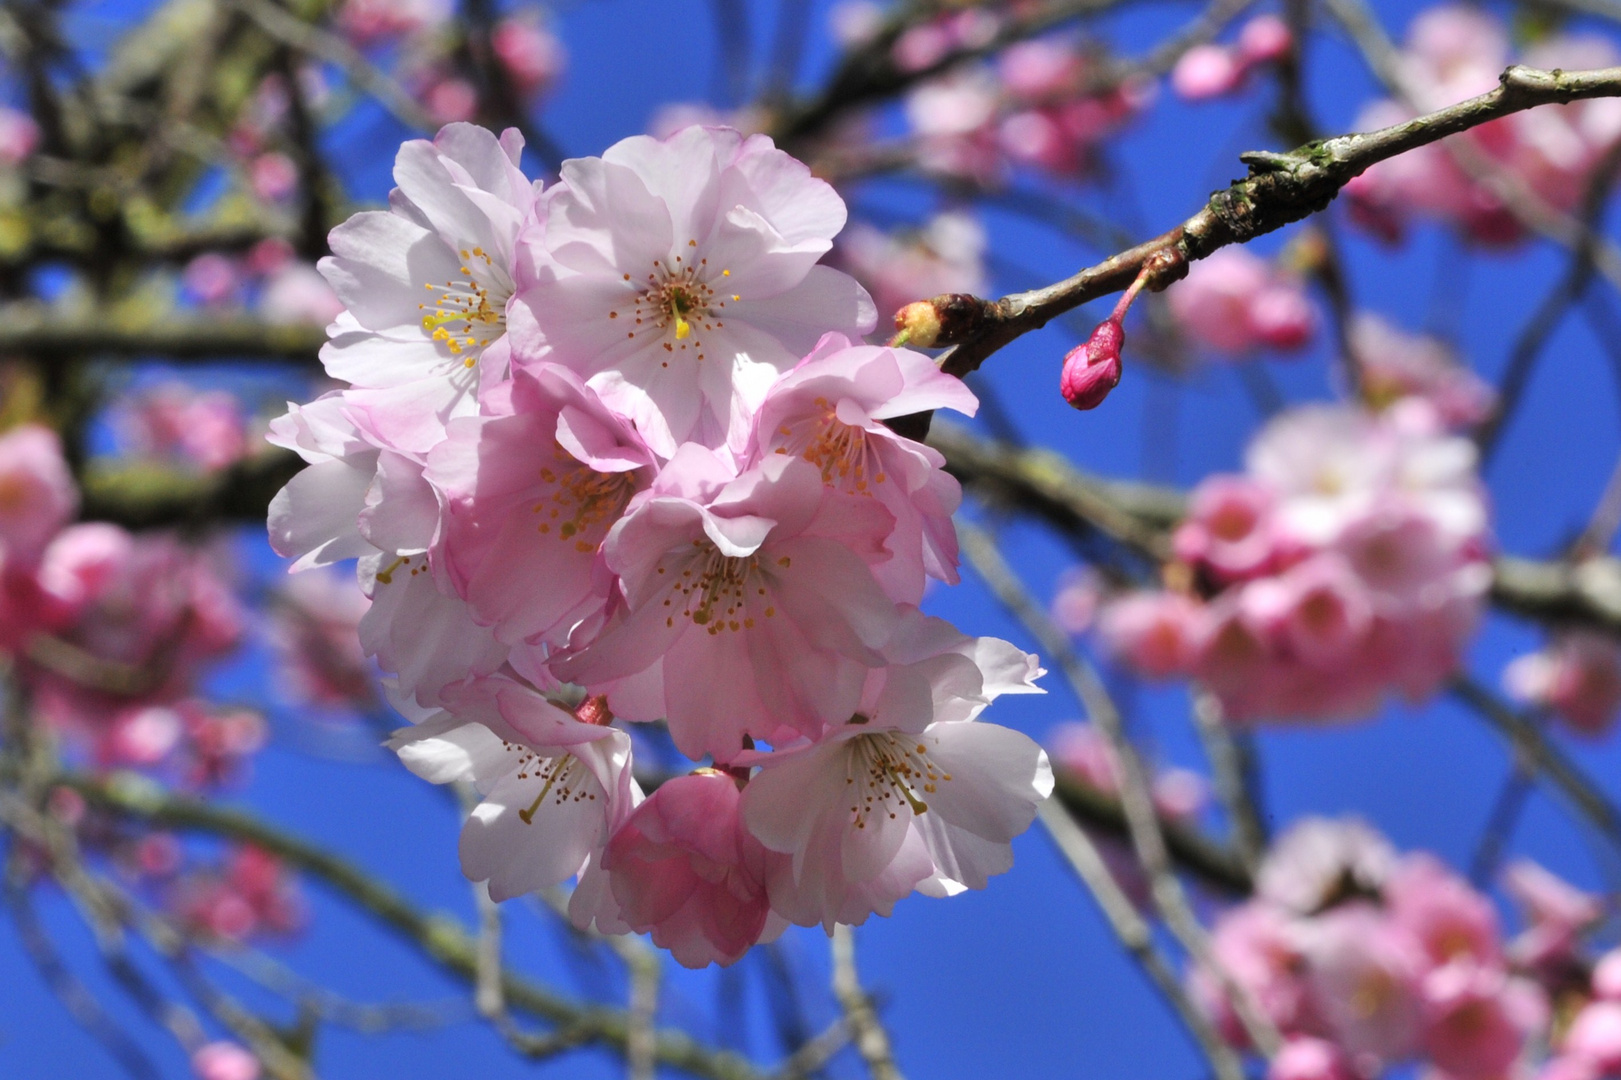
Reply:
x=37, y=493
x=684, y=868
x=683, y=277
x=747, y=609
x=910, y=793
x=830, y=410
x=426, y=282
x=1235, y=302
x=530, y=490
x=1577, y=678
x=553, y=787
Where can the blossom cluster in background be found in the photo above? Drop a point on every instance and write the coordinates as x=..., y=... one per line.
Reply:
x=613, y=451
x=1347, y=563
x=1471, y=181
x=1366, y=959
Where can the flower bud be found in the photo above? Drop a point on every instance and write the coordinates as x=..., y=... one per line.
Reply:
x=918, y=324
x=1092, y=369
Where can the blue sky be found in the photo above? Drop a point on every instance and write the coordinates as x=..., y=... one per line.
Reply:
x=1024, y=978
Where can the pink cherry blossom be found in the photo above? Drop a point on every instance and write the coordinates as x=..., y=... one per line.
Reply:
x=1363, y=981
x=250, y=895
x=1577, y=677
x=314, y=627
x=179, y=425
x=829, y=410
x=1449, y=918
x=1228, y=529
x=945, y=256
x=1477, y=1019
x=448, y=98
x=1303, y=1057
x=553, y=787
x=1257, y=946
x=683, y=277
x=1396, y=365
x=751, y=612
x=1265, y=38
x=1206, y=71
x=212, y=278
x=361, y=497
x=1607, y=976
x=1320, y=862
x=146, y=606
x=37, y=493
x=910, y=793
x=1092, y=369
x=426, y=282
x=530, y=490
x=532, y=56
x=297, y=293
x=19, y=136
x=1234, y=302
x=367, y=22
x=1556, y=913
x=1157, y=634
x=684, y=868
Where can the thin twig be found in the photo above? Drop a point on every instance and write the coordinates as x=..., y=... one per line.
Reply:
x=1544, y=757
x=1135, y=935
x=443, y=938
x=871, y=1040
x=1136, y=799
x=1232, y=780
x=1280, y=189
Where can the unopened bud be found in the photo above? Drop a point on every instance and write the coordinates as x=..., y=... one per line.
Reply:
x=1092, y=368
x=918, y=324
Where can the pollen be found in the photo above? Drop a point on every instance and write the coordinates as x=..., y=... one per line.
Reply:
x=888, y=775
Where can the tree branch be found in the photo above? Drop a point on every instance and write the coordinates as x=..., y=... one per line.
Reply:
x=1280, y=189
x=442, y=937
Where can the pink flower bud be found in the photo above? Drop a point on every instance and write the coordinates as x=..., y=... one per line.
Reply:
x=1092, y=369
x=1205, y=71
x=1264, y=39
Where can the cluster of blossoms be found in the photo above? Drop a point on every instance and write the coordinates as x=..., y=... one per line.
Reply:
x=1046, y=104
x=1211, y=70
x=422, y=36
x=611, y=454
x=108, y=631
x=1365, y=959
x=1348, y=562
x=268, y=279
x=1454, y=52
x=1236, y=303
x=179, y=426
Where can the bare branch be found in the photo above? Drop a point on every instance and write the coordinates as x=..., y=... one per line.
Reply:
x=443, y=938
x=872, y=1041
